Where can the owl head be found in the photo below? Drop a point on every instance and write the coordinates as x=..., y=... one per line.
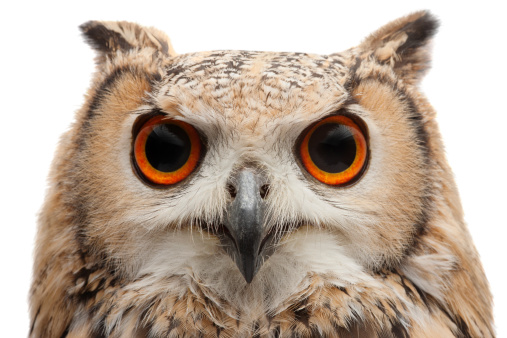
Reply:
x=246, y=154
x=239, y=174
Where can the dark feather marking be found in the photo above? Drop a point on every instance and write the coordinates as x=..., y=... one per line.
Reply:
x=336, y=61
x=163, y=44
x=381, y=307
x=219, y=330
x=103, y=39
x=427, y=209
x=399, y=331
x=173, y=324
x=94, y=105
x=255, y=329
x=177, y=73
x=143, y=317
x=302, y=316
x=342, y=289
x=398, y=314
x=448, y=315
x=408, y=290
x=127, y=310
x=353, y=80
x=276, y=331
x=88, y=295
x=418, y=32
x=463, y=327
x=358, y=300
x=98, y=335
x=335, y=325
x=104, y=89
x=422, y=295
x=314, y=332
x=344, y=332
x=35, y=319
x=99, y=331
x=155, y=78
x=270, y=320
x=65, y=332
x=80, y=216
x=95, y=307
x=301, y=312
x=143, y=331
x=414, y=116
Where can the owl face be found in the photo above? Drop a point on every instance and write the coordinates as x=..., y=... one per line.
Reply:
x=256, y=190
x=236, y=193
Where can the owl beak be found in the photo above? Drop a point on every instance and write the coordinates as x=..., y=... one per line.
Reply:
x=245, y=239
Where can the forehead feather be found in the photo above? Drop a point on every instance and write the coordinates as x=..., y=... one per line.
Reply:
x=240, y=84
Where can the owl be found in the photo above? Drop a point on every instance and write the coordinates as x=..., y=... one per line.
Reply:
x=256, y=194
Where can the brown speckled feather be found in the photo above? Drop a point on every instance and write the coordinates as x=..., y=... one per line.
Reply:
x=387, y=256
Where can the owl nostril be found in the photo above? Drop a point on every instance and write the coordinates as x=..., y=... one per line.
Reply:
x=264, y=191
x=232, y=190
x=248, y=186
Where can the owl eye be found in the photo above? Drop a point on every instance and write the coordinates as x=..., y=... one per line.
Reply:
x=334, y=150
x=166, y=151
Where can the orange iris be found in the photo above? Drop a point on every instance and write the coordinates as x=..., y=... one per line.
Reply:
x=166, y=151
x=334, y=150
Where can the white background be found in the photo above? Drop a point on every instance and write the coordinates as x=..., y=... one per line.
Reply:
x=46, y=69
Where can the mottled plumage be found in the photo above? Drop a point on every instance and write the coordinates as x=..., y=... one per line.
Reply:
x=388, y=255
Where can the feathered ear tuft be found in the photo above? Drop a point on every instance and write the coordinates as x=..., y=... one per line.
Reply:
x=107, y=37
x=404, y=45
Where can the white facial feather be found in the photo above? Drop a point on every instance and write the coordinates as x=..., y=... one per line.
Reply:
x=198, y=255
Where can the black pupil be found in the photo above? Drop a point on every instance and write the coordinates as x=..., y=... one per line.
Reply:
x=167, y=147
x=332, y=147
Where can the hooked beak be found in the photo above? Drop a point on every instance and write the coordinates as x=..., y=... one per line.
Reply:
x=245, y=239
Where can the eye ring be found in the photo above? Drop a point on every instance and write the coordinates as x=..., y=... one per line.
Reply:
x=334, y=150
x=166, y=150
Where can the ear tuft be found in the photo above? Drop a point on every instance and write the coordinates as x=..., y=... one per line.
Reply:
x=403, y=44
x=107, y=37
